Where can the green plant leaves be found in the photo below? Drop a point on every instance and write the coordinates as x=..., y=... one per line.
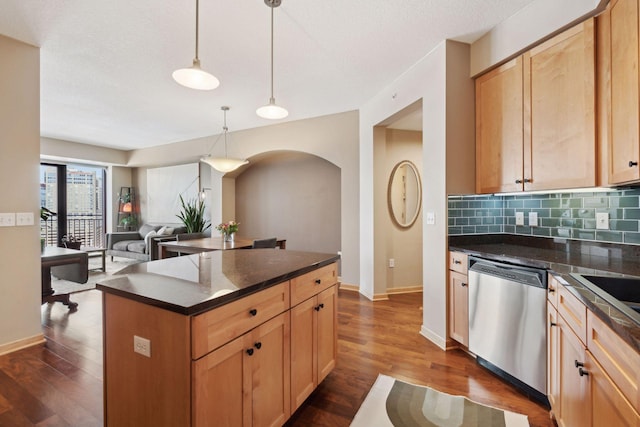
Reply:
x=192, y=215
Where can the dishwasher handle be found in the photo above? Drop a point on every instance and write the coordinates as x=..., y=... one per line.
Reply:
x=526, y=275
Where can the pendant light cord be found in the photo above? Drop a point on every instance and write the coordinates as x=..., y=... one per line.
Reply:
x=272, y=100
x=197, y=25
x=225, y=129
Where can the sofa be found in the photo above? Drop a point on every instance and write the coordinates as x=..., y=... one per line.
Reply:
x=141, y=244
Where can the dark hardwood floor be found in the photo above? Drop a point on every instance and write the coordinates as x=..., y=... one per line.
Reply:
x=60, y=383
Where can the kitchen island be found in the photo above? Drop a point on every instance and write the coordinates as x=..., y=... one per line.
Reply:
x=237, y=338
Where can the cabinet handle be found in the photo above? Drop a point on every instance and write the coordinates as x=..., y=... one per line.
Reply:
x=318, y=281
x=528, y=180
x=578, y=364
x=457, y=261
x=582, y=372
x=250, y=351
x=632, y=163
x=318, y=307
x=253, y=312
x=554, y=324
x=518, y=181
x=551, y=290
x=463, y=284
x=258, y=345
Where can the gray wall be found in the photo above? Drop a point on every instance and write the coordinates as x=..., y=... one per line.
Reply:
x=295, y=196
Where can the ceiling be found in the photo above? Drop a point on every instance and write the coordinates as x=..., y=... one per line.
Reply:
x=106, y=65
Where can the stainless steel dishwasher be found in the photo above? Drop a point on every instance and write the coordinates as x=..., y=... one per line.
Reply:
x=507, y=323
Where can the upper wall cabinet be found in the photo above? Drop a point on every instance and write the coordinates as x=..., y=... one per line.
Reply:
x=624, y=145
x=535, y=117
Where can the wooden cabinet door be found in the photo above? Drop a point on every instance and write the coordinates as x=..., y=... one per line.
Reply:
x=574, y=389
x=459, y=307
x=303, y=352
x=270, y=375
x=624, y=142
x=327, y=325
x=219, y=381
x=559, y=93
x=553, y=360
x=499, y=129
x=609, y=407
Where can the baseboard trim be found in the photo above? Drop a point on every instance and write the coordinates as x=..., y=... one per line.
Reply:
x=380, y=297
x=405, y=290
x=20, y=344
x=434, y=338
x=349, y=287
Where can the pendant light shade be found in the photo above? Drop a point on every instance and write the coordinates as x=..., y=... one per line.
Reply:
x=224, y=164
x=195, y=77
x=271, y=110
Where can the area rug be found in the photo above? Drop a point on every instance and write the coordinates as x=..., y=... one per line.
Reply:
x=392, y=402
x=113, y=267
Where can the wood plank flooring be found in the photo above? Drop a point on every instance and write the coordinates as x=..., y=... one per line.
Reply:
x=60, y=383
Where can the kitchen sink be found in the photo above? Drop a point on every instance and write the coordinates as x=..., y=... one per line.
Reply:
x=621, y=292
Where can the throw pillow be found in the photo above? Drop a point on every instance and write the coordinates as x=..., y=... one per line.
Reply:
x=165, y=231
x=146, y=228
x=148, y=237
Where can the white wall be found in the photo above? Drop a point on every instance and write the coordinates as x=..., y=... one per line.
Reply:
x=19, y=192
x=333, y=138
x=432, y=80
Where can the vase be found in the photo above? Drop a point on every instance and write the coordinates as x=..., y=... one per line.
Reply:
x=229, y=237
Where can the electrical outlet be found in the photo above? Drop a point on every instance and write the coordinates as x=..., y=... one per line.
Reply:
x=519, y=218
x=24, y=218
x=142, y=346
x=431, y=218
x=533, y=219
x=602, y=220
x=392, y=262
x=7, y=219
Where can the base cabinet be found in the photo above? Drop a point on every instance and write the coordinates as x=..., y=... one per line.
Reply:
x=459, y=298
x=254, y=371
x=313, y=343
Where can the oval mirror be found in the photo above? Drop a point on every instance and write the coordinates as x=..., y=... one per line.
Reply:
x=404, y=194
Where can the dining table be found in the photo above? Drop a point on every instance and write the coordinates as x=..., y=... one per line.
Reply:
x=67, y=264
x=207, y=244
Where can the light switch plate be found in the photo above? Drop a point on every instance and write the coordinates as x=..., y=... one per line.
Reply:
x=7, y=219
x=431, y=218
x=602, y=220
x=24, y=218
x=533, y=219
x=519, y=218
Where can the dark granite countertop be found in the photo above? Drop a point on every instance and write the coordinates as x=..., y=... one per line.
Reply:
x=562, y=257
x=197, y=283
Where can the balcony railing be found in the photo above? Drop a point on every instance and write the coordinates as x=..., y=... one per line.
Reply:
x=88, y=228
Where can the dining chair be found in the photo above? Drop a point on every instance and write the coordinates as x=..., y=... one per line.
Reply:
x=265, y=243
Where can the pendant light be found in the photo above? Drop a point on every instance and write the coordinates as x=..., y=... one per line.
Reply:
x=224, y=164
x=271, y=110
x=195, y=77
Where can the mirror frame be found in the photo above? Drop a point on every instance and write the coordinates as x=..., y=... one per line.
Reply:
x=411, y=221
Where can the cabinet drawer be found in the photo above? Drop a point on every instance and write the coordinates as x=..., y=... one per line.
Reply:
x=458, y=261
x=619, y=360
x=310, y=284
x=214, y=328
x=573, y=311
x=552, y=290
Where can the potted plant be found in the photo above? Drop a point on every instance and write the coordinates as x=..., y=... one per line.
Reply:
x=192, y=215
x=228, y=230
x=129, y=221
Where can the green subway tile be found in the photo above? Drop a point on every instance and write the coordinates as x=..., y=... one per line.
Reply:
x=475, y=220
x=596, y=202
x=632, y=238
x=451, y=221
x=571, y=203
x=572, y=223
x=546, y=213
x=495, y=212
x=514, y=204
x=550, y=222
x=489, y=220
x=632, y=191
x=622, y=225
x=541, y=231
x=475, y=204
x=625, y=202
x=482, y=229
x=531, y=204
x=462, y=221
x=609, y=236
x=584, y=235
x=455, y=230
x=550, y=203
x=589, y=224
x=468, y=230
x=509, y=212
x=584, y=213
x=495, y=229
x=455, y=212
x=509, y=229
x=480, y=212
x=561, y=232
x=520, y=229
x=632, y=214
x=560, y=213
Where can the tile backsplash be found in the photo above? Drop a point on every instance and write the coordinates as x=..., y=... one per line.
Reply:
x=569, y=215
